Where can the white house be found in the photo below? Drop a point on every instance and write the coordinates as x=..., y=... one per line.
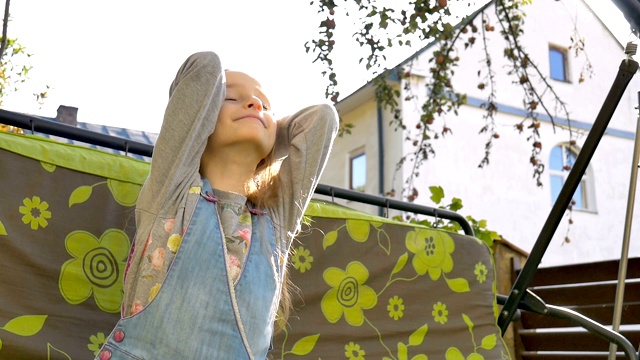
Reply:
x=504, y=192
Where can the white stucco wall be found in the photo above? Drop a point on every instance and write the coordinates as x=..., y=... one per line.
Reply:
x=504, y=193
x=363, y=136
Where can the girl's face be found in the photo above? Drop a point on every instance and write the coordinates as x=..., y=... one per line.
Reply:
x=245, y=116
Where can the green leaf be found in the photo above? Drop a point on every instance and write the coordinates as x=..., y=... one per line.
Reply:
x=61, y=354
x=305, y=345
x=3, y=230
x=80, y=195
x=437, y=193
x=420, y=357
x=402, y=261
x=456, y=204
x=418, y=336
x=329, y=239
x=484, y=237
x=454, y=354
x=487, y=236
x=467, y=321
x=489, y=342
x=125, y=194
x=49, y=167
x=384, y=242
x=459, y=285
x=0, y=344
x=27, y=325
x=475, y=356
x=358, y=230
x=402, y=350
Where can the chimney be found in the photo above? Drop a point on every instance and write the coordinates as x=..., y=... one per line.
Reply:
x=67, y=115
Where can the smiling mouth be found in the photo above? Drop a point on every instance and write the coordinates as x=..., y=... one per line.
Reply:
x=253, y=118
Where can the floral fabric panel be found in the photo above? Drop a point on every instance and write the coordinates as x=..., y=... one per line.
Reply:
x=370, y=290
x=375, y=290
x=65, y=238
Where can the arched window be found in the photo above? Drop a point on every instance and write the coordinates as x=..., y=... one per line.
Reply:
x=561, y=161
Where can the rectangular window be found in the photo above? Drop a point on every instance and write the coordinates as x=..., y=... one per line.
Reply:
x=558, y=64
x=358, y=171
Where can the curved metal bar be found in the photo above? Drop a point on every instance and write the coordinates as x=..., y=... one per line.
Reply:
x=532, y=303
x=70, y=132
x=395, y=204
x=595, y=328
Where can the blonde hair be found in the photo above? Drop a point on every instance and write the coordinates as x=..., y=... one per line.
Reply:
x=263, y=188
x=263, y=191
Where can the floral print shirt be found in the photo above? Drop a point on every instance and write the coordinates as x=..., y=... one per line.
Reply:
x=235, y=220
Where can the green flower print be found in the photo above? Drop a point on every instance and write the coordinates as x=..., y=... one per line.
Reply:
x=97, y=341
x=353, y=352
x=35, y=212
x=455, y=354
x=440, y=313
x=403, y=354
x=481, y=272
x=395, y=308
x=432, y=252
x=302, y=259
x=415, y=339
x=3, y=230
x=349, y=294
x=96, y=268
x=487, y=343
x=244, y=219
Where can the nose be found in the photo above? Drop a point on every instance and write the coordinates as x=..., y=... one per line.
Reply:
x=255, y=102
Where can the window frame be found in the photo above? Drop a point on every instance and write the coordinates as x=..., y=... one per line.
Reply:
x=587, y=183
x=353, y=156
x=565, y=63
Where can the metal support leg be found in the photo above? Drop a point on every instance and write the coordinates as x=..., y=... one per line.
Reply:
x=624, y=257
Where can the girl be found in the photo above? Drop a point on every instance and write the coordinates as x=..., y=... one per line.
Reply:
x=224, y=198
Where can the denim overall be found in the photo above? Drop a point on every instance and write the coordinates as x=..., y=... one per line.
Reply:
x=198, y=313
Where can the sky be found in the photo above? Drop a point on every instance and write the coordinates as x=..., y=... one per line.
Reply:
x=114, y=60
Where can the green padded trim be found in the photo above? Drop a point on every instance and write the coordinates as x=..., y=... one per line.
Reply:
x=323, y=209
x=91, y=161
x=119, y=167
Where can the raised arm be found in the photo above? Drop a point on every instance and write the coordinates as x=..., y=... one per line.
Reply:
x=305, y=138
x=196, y=95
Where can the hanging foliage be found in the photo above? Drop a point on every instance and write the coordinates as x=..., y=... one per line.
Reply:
x=382, y=26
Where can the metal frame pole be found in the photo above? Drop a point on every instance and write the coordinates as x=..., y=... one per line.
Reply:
x=626, y=237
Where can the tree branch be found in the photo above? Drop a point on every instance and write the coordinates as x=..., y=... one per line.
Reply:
x=5, y=26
